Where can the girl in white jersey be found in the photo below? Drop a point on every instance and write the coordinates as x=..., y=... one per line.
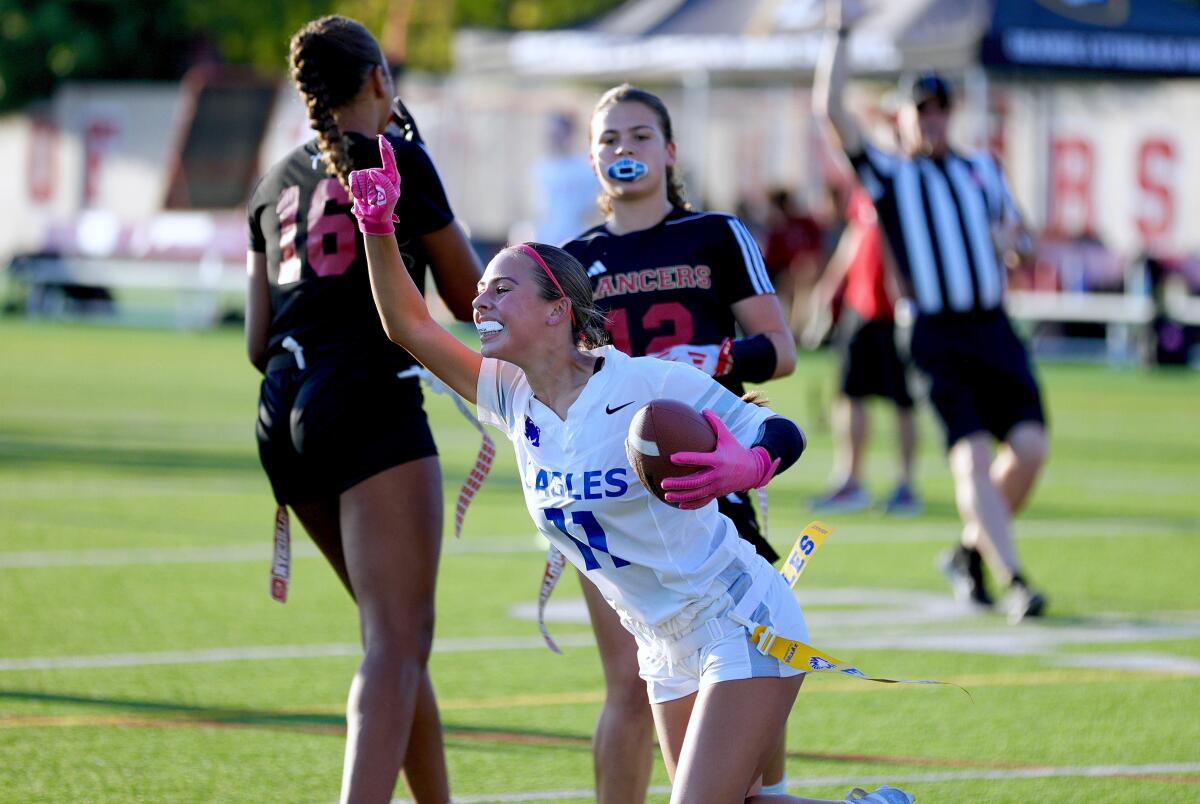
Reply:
x=676, y=575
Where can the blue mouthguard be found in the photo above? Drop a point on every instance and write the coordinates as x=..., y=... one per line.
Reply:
x=626, y=170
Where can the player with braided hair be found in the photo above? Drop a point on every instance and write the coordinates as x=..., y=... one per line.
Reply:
x=341, y=429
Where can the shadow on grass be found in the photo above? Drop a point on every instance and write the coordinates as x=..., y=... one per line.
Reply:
x=24, y=452
x=206, y=714
x=165, y=714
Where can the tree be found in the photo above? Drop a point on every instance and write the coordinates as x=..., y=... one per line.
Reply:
x=48, y=41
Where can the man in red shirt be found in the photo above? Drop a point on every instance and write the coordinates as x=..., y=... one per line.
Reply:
x=870, y=362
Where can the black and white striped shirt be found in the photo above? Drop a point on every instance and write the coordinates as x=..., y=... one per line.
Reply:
x=938, y=215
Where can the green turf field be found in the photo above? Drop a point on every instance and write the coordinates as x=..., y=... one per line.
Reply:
x=141, y=658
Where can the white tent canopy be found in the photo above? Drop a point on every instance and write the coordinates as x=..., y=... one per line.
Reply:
x=732, y=40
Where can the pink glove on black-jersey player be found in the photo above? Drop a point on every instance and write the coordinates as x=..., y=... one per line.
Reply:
x=730, y=467
x=375, y=192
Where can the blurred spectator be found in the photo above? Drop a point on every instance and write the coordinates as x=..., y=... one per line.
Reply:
x=870, y=363
x=565, y=185
x=751, y=213
x=793, y=255
x=1170, y=340
x=1076, y=263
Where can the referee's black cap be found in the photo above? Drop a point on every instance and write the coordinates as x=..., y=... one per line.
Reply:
x=928, y=86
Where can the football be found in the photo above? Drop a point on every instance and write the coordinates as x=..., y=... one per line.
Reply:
x=659, y=430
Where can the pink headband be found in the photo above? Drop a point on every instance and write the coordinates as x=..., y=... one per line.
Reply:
x=532, y=252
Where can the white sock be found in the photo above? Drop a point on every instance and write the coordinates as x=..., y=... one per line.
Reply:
x=777, y=789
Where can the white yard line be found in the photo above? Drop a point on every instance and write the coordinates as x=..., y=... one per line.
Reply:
x=256, y=551
x=892, y=631
x=858, y=533
x=1049, y=772
x=273, y=652
x=121, y=557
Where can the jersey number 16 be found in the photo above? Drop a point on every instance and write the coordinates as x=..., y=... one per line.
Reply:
x=329, y=243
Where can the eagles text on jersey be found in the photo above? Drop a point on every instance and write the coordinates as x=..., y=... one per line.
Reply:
x=649, y=558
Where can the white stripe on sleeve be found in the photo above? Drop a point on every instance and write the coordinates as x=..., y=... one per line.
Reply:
x=756, y=269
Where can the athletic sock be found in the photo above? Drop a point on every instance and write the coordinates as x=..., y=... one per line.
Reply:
x=777, y=789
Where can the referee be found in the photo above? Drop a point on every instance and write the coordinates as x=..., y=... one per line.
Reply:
x=943, y=215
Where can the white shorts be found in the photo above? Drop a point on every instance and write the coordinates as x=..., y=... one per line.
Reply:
x=719, y=649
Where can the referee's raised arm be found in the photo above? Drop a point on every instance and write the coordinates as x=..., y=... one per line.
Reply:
x=829, y=82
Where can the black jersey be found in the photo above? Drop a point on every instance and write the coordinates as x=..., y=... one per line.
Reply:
x=674, y=282
x=300, y=217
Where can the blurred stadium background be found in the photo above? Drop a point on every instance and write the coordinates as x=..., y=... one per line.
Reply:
x=130, y=164
x=140, y=656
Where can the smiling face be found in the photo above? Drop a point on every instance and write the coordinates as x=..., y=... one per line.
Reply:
x=511, y=316
x=631, y=130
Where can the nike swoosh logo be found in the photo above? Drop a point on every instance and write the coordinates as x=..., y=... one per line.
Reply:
x=611, y=411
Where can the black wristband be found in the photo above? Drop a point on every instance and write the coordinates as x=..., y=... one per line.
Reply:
x=782, y=439
x=754, y=359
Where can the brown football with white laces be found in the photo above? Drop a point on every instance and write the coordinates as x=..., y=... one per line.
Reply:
x=659, y=430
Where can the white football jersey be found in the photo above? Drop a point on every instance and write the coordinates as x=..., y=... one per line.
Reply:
x=648, y=559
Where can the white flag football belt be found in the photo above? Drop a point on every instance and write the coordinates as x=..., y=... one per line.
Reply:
x=791, y=652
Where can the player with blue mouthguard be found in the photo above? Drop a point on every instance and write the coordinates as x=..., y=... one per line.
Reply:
x=626, y=169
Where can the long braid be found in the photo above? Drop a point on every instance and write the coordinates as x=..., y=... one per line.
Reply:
x=333, y=144
x=329, y=60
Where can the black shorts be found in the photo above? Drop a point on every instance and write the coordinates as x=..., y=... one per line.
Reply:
x=979, y=374
x=340, y=420
x=741, y=512
x=871, y=365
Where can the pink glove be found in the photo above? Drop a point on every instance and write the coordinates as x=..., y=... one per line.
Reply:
x=713, y=359
x=375, y=192
x=731, y=467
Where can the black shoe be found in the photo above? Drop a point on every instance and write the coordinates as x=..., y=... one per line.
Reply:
x=963, y=567
x=1020, y=602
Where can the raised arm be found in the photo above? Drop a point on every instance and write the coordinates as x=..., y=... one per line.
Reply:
x=401, y=307
x=829, y=84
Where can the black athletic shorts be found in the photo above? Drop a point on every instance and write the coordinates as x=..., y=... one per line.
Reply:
x=871, y=366
x=343, y=418
x=741, y=513
x=979, y=373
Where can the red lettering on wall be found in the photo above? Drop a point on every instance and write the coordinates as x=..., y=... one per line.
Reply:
x=96, y=136
x=1072, y=165
x=40, y=168
x=1155, y=214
